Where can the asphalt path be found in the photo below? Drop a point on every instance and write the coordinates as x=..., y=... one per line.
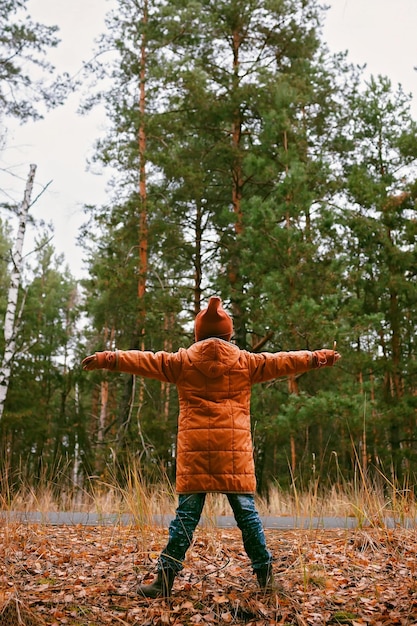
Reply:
x=223, y=521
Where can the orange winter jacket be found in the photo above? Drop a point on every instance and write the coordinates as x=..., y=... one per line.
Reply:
x=214, y=380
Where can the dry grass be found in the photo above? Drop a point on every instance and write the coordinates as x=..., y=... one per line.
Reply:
x=141, y=500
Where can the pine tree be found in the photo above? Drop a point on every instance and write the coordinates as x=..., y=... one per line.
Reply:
x=380, y=246
x=23, y=48
x=237, y=103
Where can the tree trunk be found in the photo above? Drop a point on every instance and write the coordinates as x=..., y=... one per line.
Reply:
x=139, y=331
x=293, y=389
x=143, y=223
x=104, y=396
x=237, y=185
x=134, y=390
x=12, y=296
x=198, y=272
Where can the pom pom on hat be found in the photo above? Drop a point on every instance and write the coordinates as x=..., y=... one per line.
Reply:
x=213, y=322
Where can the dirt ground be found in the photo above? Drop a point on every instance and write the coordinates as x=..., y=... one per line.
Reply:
x=82, y=576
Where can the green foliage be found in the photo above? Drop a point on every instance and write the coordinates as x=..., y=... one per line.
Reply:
x=24, y=66
x=41, y=429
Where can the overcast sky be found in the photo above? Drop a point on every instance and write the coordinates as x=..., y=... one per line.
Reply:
x=378, y=33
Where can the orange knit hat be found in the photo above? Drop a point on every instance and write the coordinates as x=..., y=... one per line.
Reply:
x=213, y=322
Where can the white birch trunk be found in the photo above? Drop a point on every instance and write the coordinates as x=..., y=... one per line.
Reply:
x=15, y=279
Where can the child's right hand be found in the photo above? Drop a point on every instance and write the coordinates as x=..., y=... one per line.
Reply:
x=90, y=362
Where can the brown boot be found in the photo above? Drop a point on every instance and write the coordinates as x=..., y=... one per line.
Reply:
x=265, y=578
x=161, y=586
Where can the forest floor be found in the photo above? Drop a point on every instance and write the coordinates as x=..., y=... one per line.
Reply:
x=87, y=576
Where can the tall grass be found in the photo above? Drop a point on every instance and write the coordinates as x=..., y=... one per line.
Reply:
x=128, y=492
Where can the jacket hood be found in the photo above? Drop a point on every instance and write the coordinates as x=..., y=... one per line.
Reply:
x=213, y=357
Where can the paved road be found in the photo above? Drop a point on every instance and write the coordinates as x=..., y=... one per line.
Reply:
x=224, y=521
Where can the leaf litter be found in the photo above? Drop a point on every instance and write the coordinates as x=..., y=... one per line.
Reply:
x=87, y=576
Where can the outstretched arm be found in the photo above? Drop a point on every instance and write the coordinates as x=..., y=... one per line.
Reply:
x=266, y=366
x=164, y=366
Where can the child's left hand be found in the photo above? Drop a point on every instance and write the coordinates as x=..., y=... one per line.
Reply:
x=326, y=358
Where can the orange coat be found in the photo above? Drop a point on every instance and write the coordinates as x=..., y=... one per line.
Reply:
x=214, y=380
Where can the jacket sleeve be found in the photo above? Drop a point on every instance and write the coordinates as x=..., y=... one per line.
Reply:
x=267, y=366
x=163, y=366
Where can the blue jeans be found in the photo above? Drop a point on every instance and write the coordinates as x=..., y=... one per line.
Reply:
x=188, y=513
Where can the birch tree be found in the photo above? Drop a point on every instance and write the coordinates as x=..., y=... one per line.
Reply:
x=11, y=317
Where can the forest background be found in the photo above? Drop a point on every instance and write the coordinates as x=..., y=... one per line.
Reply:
x=247, y=161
